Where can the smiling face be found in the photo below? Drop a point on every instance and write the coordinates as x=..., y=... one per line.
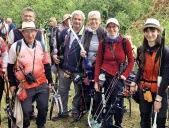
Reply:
x=77, y=22
x=28, y=16
x=151, y=34
x=112, y=30
x=94, y=21
x=29, y=35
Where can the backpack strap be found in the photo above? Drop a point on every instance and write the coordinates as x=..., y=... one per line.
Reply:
x=19, y=44
x=43, y=46
x=104, y=44
x=18, y=47
x=103, y=47
x=124, y=45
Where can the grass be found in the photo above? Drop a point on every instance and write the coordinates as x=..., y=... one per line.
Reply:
x=128, y=122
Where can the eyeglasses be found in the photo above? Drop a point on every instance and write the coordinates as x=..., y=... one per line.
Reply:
x=93, y=19
x=28, y=16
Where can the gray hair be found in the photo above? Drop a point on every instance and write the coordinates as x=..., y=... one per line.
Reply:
x=78, y=12
x=28, y=9
x=97, y=13
x=53, y=19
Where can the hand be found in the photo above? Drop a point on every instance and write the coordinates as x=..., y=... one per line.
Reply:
x=12, y=89
x=133, y=87
x=48, y=34
x=55, y=59
x=50, y=86
x=4, y=70
x=157, y=106
x=96, y=87
x=122, y=77
x=83, y=53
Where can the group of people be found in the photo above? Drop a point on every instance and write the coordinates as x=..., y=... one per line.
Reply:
x=109, y=56
x=6, y=25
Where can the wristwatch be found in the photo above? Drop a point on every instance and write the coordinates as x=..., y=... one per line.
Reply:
x=158, y=100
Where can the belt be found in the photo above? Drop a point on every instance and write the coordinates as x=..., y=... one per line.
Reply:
x=148, y=81
x=40, y=80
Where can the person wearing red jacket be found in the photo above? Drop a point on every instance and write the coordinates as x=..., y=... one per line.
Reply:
x=110, y=60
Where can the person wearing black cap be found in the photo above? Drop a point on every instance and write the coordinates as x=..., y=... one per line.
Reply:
x=152, y=96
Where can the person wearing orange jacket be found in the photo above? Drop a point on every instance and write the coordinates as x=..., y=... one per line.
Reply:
x=152, y=98
x=31, y=68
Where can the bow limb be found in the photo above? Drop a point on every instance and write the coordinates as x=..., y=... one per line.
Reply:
x=79, y=41
x=155, y=119
x=90, y=110
x=56, y=100
x=51, y=108
x=159, y=78
x=60, y=104
x=129, y=99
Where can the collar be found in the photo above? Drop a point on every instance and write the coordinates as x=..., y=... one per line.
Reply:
x=91, y=30
x=80, y=33
x=34, y=44
x=113, y=40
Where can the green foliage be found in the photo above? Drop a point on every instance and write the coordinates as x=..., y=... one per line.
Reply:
x=126, y=11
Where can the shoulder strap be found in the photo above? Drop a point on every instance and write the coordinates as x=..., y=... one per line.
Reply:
x=159, y=52
x=124, y=45
x=18, y=47
x=43, y=46
x=103, y=47
x=19, y=44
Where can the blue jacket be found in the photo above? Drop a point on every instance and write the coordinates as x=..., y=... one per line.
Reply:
x=72, y=61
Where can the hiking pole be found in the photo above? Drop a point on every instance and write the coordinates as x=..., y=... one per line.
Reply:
x=155, y=119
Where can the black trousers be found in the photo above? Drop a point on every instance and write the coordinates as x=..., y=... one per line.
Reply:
x=41, y=96
x=114, y=105
x=147, y=114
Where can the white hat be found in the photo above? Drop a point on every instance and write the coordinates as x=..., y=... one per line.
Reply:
x=112, y=20
x=66, y=16
x=151, y=22
x=28, y=25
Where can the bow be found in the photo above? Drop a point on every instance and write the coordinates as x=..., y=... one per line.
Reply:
x=56, y=99
x=159, y=79
x=7, y=89
x=9, y=111
x=87, y=65
x=78, y=79
x=102, y=106
x=127, y=89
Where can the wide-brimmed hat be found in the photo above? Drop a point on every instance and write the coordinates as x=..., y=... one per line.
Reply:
x=28, y=25
x=154, y=23
x=65, y=17
x=112, y=20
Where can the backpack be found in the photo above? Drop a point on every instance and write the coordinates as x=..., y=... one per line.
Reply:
x=19, y=44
